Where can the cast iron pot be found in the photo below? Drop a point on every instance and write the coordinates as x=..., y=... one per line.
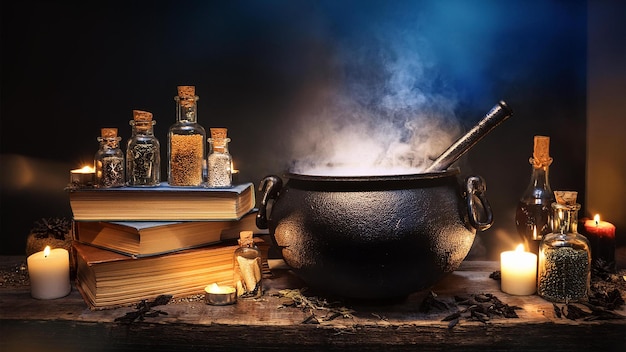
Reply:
x=373, y=237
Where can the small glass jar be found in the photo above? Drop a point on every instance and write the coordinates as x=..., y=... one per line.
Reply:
x=143, y=152
x=248, y=275
x=109, y=160
x=219, y=160
x=186, y=142
x=564, y=258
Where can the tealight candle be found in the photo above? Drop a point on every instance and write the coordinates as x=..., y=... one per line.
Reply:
x=518, y=271
x=84, y=176
x=49, y=272
x=220, y=295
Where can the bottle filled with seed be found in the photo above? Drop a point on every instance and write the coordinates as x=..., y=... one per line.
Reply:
x=219, y=160
x=109, y=160
x=186, y=142
x=143, y=152
x=564, y=255
x=247, y=267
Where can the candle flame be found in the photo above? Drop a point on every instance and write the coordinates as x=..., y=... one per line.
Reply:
x=214, y=287
x=84, y=170
x=597, y=219
x=519, y=248
x=46, y=252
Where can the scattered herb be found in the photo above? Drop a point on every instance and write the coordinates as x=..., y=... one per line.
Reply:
x=144, y=310
x=480, y=307
x=496, y=275
x=432, y=302
x=312, y=304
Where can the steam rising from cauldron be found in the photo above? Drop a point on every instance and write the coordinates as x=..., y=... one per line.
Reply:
x=385, y=111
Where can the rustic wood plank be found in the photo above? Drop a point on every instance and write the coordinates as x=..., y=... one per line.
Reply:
x=67, y=324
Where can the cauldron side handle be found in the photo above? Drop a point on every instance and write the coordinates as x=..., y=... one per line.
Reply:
x=475, y=188
x=270, y=186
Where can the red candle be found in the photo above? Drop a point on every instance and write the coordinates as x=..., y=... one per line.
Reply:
x=599, y=228
x=601, y=236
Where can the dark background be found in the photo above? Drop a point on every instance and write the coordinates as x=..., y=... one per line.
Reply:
x=263, y=69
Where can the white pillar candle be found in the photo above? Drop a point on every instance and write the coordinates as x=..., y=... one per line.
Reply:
x=518, y=271
x=49, y=272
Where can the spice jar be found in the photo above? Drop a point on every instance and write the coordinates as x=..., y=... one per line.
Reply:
x=143, y=152
x=109, y=160
x=532, y=217
x=247, y=267
x=186, y=148
x=564, y=255
x=219, y=160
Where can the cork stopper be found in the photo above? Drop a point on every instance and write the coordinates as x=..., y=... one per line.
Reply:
x=219, y=133
x=541, y=152
x=142, y=116
x=566, y=197
x=186, y=92
x=108, y=132
x=246, y=238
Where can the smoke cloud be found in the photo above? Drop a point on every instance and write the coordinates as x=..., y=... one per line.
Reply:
x=385, y=109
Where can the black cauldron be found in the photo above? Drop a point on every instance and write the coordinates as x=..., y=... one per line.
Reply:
x=373, y=237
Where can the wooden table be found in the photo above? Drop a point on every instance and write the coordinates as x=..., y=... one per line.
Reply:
x=67, y=324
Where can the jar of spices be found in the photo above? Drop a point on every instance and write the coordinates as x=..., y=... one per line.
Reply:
x=109, y=160
x=564, y=255
x=247, y=267
x=143, y=152
x=219, y=160
x=186, y=142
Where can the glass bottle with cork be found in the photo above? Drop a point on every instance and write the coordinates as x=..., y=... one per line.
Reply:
x=186, y=142
x=219, y=160
x=564, y=271
x=143, y=152
x=534, y=210
x=247, y=267
x=109, y=160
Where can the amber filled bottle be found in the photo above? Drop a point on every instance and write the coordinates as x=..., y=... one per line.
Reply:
x=534, y=210
x=109, y=160
x=186, y=142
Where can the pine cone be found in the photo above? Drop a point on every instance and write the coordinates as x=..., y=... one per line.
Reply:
x=51, y=227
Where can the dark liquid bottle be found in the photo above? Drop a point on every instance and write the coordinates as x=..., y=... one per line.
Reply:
x=534, y=210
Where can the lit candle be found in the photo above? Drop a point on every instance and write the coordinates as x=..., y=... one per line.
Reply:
x=220, y=295
x=518, y=271
x=49, y=272
x=84, y=176
x=601, y=236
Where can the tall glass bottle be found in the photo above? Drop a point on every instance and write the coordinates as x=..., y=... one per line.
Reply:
x=186, y=142
x=564, y=271
x=247, y=267
x=532, y=217
x=109, y=160
x=143, y=152
x=219, y=160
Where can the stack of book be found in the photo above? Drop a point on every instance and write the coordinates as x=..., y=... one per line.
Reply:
x=136, y=243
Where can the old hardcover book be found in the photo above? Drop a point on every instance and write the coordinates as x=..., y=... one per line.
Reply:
x=139, y=238
x=107, y=279
x=162, y=203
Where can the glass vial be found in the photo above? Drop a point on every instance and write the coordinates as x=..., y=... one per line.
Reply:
x=109, y=160
x=219, y=160
x=143, y=152
x=532, y=217
x=186, y=147
x=247, y=267
x=564, y=256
